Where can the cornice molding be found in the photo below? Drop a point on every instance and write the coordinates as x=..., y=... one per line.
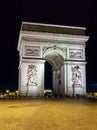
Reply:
x=51, y=38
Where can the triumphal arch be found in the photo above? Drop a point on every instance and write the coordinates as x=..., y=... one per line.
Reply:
x=63, y=47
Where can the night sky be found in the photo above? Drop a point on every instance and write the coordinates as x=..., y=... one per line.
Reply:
x=70, y=12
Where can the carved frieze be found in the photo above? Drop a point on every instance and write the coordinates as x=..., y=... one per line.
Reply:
x=76, y=53
x=76, y=75
x=45, y=48
x=31, y=75
x=32, y=51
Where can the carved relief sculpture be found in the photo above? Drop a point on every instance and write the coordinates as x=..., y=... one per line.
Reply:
x=32, y=51
x=31, y=75
x=76, y=53
x=76, y=75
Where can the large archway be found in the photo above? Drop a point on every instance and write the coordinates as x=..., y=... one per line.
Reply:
x=55, y=58
x=63, y=47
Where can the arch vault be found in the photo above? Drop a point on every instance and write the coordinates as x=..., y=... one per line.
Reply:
x=63, y=47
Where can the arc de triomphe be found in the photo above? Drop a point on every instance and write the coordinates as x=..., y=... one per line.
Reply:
x=63, y=47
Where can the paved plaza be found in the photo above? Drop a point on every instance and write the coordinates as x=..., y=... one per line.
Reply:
x=48, y=114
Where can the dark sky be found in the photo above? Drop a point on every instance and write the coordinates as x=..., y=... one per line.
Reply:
x=70, y=12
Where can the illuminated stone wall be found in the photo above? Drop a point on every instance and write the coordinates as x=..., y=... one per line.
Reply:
x=65, y=51
x=32, y=81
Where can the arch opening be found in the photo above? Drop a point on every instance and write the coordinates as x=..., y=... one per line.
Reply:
x=48, y=76
x=53, y=76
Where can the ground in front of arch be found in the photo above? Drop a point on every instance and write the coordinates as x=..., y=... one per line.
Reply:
x=48, y=114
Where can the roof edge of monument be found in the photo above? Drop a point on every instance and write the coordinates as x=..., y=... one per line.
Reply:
x=53, y=25
x=51, y=28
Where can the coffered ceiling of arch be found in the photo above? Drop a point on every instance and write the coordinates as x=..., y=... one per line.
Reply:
x=54, y=59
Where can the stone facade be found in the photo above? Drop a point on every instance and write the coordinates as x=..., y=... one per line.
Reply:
x=64, y=49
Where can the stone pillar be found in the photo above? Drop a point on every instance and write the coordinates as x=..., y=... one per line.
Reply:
x=62, y=80
x=55, y=82
x=75, y=78
x=32, y=78
x=19, y=79
x=58, y=82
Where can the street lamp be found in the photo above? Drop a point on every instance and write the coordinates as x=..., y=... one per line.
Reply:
x=7, y=91
x=17, y=92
